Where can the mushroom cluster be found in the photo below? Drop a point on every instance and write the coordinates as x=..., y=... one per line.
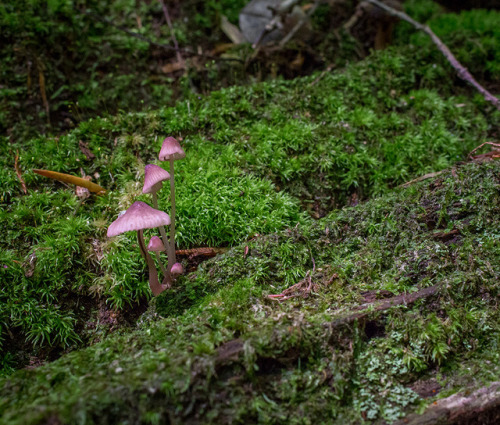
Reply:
x=141, y=216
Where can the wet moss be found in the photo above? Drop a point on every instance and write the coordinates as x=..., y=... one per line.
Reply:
x=235, y=355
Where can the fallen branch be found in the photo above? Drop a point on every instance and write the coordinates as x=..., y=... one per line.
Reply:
x=479, y=407
x=231, y=350
x=462, y=72
x=366, y=309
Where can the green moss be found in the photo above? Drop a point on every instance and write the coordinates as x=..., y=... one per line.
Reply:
x=287, y=358
x=257, y=158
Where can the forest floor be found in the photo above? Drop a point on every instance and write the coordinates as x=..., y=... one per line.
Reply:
x=340, y=289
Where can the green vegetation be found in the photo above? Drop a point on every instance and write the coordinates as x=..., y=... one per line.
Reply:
x=286, y=357
x=74, y=54
x=296, y=179
x=74, y=59
x=256, y=155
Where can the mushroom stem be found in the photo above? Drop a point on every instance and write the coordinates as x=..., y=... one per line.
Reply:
x=171, y=255
x=163, y=233
x=162, y=267
x=154, y=283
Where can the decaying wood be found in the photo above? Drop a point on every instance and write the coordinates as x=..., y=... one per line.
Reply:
x=231, y=350
x=482, y=406
x=365, y=310
x=462, y=72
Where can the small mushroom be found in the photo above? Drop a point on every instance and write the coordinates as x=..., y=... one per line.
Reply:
x=138, y=217
x=171, y=150
x=153, y=178
x=176, y=270
x=155, y=244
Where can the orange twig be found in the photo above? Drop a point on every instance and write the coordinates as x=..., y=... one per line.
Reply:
x=68, y=178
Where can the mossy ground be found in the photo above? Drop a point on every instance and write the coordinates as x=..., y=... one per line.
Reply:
x=262, y=163
x=292, y=357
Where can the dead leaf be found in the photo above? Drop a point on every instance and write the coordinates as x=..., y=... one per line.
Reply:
x=168, y=68
x=254, y=18
x=221, y=48
x=68, y=178
x=298, y=61
x=83, y=192
x=232, y=31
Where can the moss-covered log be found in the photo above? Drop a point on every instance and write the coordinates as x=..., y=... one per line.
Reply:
x=235, y=356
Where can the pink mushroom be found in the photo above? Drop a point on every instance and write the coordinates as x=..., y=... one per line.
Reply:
x=170, y=151
x=138, y=217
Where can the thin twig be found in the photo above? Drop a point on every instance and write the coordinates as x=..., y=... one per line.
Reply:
x=299, y=24
x=298, y=289
x=462, y=72
x=496, y=145
x=422, y=178
x=172, y=34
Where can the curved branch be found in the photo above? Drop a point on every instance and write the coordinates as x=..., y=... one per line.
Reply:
x=462, y=71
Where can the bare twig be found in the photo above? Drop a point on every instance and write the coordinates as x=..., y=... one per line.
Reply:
x=462, y=72
x=172, y=34
x=302, y=288
x=323, y=73
x=299, y=24
x=492, y=153
x=422, y=178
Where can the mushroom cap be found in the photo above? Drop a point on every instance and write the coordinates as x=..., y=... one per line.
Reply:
x=153, y=176
x=171, y=149
x=139, y=216
x=155, y=244
x=177, y=269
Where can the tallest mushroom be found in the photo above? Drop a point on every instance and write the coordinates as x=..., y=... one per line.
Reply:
x=170, y=151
